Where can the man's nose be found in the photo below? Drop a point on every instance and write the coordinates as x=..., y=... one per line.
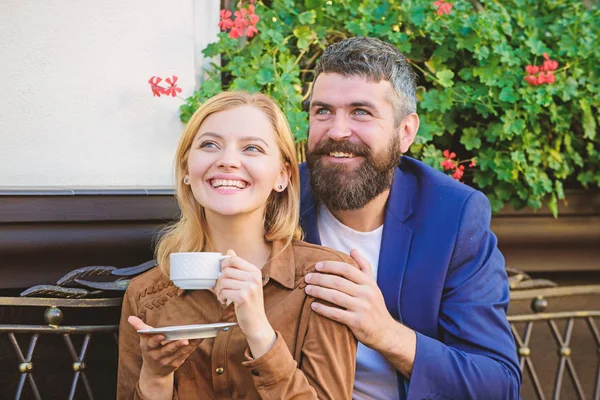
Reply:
x=340, y=127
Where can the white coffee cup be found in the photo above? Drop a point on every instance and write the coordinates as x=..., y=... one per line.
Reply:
x=195, y=270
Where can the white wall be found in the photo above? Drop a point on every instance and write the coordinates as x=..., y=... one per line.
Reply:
x=75, y=105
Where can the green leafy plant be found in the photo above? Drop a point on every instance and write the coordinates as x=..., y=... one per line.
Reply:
x=531, y=132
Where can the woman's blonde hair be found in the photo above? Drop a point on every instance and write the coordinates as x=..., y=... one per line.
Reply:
x=190, y=232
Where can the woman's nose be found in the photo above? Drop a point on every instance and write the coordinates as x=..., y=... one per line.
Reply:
x=228, y=159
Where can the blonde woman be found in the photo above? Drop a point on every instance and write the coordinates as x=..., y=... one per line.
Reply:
x=238, y=191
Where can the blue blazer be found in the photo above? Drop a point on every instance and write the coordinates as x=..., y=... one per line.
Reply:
x=443, y=276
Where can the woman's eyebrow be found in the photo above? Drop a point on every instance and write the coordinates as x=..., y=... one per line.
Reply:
x=242, y=139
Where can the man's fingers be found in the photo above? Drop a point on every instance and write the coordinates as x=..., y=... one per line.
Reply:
x=333, y=313
x=362, y=262
x=332, y=296
x=342, y=269
x=333, y=282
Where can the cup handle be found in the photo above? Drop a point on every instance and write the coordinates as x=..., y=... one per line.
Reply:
x=224, y=257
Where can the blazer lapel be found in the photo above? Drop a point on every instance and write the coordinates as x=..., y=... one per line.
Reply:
x=308, y=209
x=395, y=244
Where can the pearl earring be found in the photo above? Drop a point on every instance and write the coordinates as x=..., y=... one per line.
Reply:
x=186, y=180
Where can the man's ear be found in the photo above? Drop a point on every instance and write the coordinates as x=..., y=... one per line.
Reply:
x=408, y=130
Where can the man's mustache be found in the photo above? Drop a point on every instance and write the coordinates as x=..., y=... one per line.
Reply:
x=344, y=146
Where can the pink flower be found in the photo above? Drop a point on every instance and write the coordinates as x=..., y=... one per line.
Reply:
x=172, y=89
x=458, y=174
x=448, y=163
x=443, y=7
x=532, y=69
x=156, y=90
x=251, y=31
x=225, y=22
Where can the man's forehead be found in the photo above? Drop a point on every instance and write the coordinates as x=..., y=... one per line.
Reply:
x=338, y=89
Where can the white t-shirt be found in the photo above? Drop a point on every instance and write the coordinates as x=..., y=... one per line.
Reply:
x=375, y=378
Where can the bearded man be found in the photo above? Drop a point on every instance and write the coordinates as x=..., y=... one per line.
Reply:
x=429, y=302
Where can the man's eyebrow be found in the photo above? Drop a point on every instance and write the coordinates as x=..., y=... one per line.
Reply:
x=362, y=103
x=317, y=103
x=242, y=139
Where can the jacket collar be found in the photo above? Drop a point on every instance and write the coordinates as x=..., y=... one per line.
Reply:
x=281, y=267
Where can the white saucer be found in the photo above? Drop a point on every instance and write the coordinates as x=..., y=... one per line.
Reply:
x=189, y=331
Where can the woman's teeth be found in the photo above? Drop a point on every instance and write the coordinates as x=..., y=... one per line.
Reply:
x=228, y=184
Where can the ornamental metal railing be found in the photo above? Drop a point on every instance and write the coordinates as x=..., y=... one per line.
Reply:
x=34, y=333
x=529, y=328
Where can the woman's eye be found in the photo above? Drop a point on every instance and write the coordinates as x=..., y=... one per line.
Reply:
x=208, y=145
x=253, y=148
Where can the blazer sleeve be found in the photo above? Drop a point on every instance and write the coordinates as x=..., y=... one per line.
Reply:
x=475, y=357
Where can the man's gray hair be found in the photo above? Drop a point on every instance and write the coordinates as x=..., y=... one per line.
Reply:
x=375, y=61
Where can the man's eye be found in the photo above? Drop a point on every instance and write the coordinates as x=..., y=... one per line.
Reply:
x=322, y=111
x=360, y=111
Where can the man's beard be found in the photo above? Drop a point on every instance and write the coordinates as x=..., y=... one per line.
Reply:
x=341, y=189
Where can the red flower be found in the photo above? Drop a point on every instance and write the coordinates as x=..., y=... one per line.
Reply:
x=244, y=23
x=172, y=89
x=448, y=163
x=251, y=31
x=254, y=19
x=532, y=80
x=550, y=78
x=156, y=90
x=473, y=163
x=235, y=33
x=549, y=65
x=443, y=7
x=446, y=153
x=541, y=78
x=225, y=22
x=458, y=174
x=532, y=69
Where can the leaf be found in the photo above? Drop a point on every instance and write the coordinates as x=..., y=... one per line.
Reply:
x=264, y=76
x=589, y=123
x=470, y=138
x=445, y=77
x=307, y=17
x=305, y=37
x=508, y=95
x=553, y=205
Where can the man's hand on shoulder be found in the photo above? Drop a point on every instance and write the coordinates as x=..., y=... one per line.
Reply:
x=361, y=308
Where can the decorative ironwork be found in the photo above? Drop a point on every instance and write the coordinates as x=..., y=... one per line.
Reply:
x=539, y=304
x=54, y=316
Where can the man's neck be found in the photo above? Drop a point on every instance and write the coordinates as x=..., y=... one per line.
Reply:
x=245, y=235
x=365, y=219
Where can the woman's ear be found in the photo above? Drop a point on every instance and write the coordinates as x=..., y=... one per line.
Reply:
x=283, y=179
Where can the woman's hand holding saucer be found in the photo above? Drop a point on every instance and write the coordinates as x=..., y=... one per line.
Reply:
x=161, y=359
x=240, y=283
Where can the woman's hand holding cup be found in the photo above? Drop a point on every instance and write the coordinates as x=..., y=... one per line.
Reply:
x=240, y=283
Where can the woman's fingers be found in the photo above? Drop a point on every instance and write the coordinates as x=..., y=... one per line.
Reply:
x=137, y=323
